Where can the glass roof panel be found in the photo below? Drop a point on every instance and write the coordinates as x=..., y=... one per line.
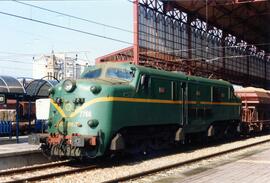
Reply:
x=44, y=90
x=40, y=88
x=34, y=88
x=9, y=84
x=3, y=87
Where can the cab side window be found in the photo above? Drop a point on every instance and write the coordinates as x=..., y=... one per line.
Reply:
x=174, y=90
x=231, y=94
x=144, y=84
x=219, y=94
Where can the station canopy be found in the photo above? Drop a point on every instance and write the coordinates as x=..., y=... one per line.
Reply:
x=10, y=85
x=39, y=87
x=33, y=89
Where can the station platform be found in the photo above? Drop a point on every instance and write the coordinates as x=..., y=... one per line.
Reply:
x=247, y=168
x=15, y=155
x=9, y=147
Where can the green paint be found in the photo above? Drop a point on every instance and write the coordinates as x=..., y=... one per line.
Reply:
x=158, y=85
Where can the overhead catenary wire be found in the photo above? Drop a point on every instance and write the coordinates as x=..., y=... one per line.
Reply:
x=196, y=49
x=114, y=27
x=30, y=63
x=66, y=28
x=37, y=54
x=212, y=59
x=74, y=17
x=39, y=21
x=183, y=59
x=12, y=56
x=84, y=65
x=15, y=68
x=151, y=51
x=79, y=18
x=87, y=20
x=208, y=59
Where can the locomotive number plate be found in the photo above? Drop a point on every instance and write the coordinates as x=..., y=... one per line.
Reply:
x=86, y=114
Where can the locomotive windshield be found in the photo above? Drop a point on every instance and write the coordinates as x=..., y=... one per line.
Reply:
x=92, y=74
x=122, y=74
x=118, y=73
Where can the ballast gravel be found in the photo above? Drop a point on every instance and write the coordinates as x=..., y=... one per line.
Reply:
x=105, y=174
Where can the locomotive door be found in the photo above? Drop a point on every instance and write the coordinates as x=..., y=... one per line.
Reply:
x=184, y=107
x=196, y=109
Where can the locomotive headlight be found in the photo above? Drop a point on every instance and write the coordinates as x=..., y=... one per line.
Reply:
x=58, y=101
x=93, y=123
x=95, y=89
x=69, y=85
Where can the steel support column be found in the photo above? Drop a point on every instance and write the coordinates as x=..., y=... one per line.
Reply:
x=265, y=73
x=136, y=32
x=17, y=120
x=248, y=72
x=29, y=115
x=189, y=20
x=223, y=52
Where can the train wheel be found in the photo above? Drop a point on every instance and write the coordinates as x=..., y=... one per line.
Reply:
x=232, y=131
x=215, y=132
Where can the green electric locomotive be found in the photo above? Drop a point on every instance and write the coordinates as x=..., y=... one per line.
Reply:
x=120, y=106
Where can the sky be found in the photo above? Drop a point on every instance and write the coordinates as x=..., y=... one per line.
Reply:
x=21, y=40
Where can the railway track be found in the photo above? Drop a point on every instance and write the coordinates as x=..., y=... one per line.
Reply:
x=179, y=164
x=20, y=174
x=60, y=169
x=32, y=168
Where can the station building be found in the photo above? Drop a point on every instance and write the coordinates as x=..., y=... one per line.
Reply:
x=56, y=66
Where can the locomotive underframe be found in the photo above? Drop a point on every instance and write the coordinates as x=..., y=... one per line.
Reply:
x=71, y=145
x=155, y=137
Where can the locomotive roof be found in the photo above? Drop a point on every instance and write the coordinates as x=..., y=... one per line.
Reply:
x=163, y=73
x=182, y=76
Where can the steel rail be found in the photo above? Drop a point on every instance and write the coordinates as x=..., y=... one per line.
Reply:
x=178, y=164
x=120, y=179
x=33, y=168
x=51, y=175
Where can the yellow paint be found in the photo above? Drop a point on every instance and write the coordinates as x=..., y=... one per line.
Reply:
x=136, y=100
x=58, y=108
x=59, y=123
x=220, y=103
x=69, y=125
